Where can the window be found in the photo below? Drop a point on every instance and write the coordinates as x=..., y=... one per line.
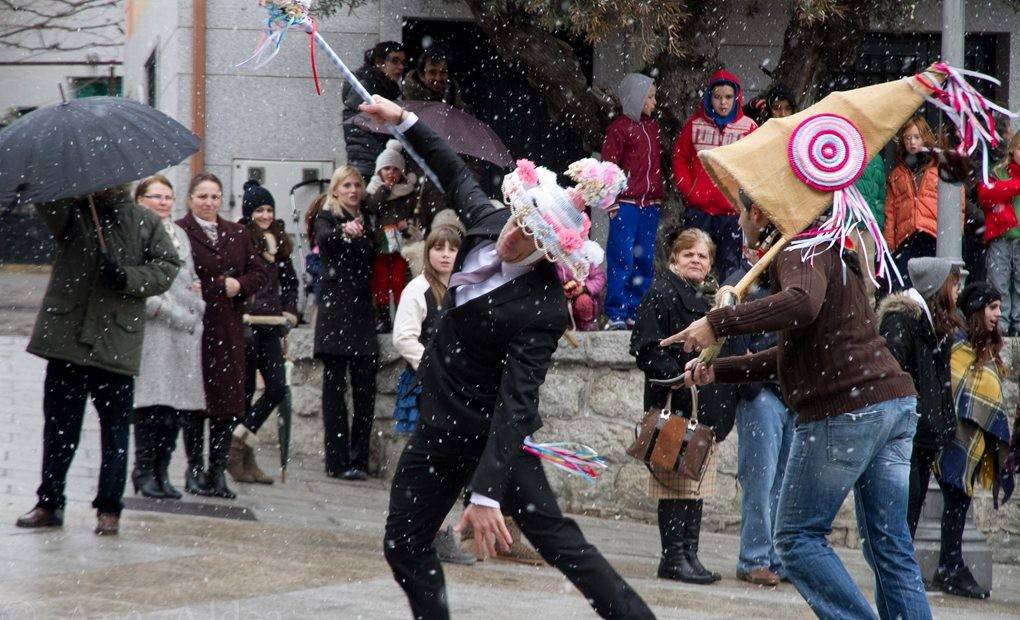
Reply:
x=96, y=86
x=150, y=79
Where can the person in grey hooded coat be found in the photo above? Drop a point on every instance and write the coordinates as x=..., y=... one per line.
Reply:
x=632, y=143
x=169, y=383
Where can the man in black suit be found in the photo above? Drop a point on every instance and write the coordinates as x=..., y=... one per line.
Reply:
x=502, y=319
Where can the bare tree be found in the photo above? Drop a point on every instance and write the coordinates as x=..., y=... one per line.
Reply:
x=60, y=25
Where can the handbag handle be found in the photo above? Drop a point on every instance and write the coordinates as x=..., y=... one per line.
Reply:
x=668, y=409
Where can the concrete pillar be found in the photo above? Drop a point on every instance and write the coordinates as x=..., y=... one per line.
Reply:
x=949, y=243
x=928, y=541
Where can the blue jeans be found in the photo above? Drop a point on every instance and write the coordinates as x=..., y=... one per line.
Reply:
x=765, y=428
x=630, y=252
x=725, y=232
x=867, y=450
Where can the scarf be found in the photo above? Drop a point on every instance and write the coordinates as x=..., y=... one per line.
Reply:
x=211, y=229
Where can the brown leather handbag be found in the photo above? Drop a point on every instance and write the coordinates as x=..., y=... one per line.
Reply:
x=666, y=442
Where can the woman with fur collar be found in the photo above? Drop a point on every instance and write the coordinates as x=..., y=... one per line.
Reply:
x=390, y=200
x=269, y=313
x=919, y=326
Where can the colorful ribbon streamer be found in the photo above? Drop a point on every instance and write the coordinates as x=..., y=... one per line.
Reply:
x=573, y=458
x=285, y=14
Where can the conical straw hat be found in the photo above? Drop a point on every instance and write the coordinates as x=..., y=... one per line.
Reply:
x=758, y=164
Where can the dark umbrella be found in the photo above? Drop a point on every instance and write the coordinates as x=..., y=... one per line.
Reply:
x=85, y=145
x=465, y=134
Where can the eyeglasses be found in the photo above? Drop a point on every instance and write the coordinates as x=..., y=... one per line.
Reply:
x=159, y=197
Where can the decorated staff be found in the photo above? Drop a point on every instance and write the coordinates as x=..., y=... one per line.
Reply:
x=827, y=147
x=282, y=15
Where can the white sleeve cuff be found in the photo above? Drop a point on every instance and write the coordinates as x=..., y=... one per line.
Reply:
x=481, y=500
x=408, y=122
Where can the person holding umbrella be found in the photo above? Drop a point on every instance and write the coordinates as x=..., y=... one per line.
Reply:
x=111, y=255
x=229, y=272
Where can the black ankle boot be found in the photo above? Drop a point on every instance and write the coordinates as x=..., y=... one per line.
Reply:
x=960, y=582
x=164, y=450
x=675, y=563
x=218, y=484
x=143, y=476
x=692, y=534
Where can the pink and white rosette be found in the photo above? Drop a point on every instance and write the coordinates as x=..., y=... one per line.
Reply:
x=827, y=153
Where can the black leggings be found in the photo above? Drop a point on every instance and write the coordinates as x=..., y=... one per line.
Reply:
x=263, y=353
x=220, y=431
x=955, y=504
x=347, y=448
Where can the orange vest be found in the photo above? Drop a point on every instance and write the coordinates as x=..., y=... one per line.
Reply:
x=912, y=207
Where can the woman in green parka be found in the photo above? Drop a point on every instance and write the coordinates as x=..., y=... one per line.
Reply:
x=872, y=187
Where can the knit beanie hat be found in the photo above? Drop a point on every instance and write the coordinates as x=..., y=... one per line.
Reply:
x=976, y=296
x=928, y=274
x=254, y=197
x=392, y=155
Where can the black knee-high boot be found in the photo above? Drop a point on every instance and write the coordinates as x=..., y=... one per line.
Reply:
x=692, y=534
x=143, y=476
x=220, y=434
x=195, y=480
x=164, y=450
x=674, y=514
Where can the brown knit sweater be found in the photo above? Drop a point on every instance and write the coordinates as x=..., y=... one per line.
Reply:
x=830, y=358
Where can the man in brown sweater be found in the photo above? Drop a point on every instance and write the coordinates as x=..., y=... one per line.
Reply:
x=856, y=418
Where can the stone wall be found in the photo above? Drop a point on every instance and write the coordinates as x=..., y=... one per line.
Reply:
x=593, y=394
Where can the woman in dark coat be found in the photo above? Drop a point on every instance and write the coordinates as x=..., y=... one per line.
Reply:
x=678, y=297
x=344, y=334
x=270, y=313
x=228, y=272
x=918, y=326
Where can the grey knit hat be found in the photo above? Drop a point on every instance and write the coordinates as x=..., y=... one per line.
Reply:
x=392, y=155
x=928, y=274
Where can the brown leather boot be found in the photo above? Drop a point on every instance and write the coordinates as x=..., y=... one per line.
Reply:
x=107, y=524
x=253, y=470
x=41, y=517
x=236, y=461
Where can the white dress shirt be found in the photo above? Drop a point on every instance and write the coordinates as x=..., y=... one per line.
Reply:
x=478, y=258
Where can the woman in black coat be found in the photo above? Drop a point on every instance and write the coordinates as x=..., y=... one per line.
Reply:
x=676, y=299
x=918, y=326
x=344, y=330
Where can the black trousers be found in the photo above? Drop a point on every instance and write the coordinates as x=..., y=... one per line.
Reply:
x=433, y=469
x=66, y=387
x=263, y=353
x=955, y=504
x=916, y=245
x=921, y=460
x=347, y=447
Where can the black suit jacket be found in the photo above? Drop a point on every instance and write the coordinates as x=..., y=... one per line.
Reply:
x=482, y=369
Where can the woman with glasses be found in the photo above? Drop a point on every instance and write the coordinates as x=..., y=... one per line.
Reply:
x=229, y=271
x=169, y=383
x=919, y=326
x=381, y=75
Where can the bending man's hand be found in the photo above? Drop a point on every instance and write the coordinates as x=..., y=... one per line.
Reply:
x=382, y=110
x=696, y=337
x=488, y=527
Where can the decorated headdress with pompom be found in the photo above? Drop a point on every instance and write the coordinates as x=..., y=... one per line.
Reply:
x=555, y=216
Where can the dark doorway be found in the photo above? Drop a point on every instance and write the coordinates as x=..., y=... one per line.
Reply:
x=499, y=94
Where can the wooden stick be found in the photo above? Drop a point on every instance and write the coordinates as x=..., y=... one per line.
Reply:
x=732, y=296
x=95, y=220
x=571, y=339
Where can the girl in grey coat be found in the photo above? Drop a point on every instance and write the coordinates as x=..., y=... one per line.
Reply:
x=169, y=383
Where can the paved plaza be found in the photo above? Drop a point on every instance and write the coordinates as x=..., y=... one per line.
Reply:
x=312, y=548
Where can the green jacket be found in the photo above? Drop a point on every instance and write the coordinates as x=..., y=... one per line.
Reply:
x=872, y=187
x=82, y=320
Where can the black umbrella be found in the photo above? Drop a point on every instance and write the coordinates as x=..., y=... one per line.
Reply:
x=85, y=145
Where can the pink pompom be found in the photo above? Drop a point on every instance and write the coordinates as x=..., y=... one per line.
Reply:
x=585, y=225
x=570, y=240
x=526, y=172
